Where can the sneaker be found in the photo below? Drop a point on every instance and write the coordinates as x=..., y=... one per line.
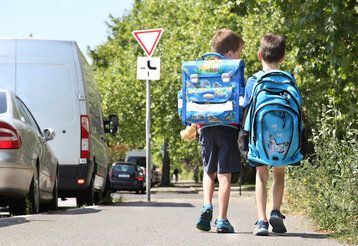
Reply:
x=203, y=223
x=224, y=226
x=276, y=221
x=261, y=228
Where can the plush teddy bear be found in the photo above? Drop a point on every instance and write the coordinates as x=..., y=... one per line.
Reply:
x=189, y=133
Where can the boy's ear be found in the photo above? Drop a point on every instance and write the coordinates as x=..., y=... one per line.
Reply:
x=229, y=54
x=259, y=55
x=281, y=60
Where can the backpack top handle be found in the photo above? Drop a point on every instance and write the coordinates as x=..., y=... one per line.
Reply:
x=212, y=54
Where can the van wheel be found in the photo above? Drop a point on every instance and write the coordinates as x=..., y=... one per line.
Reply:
x=86, y=197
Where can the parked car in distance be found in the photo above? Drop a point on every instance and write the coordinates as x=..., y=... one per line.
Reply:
x=28, y=168
x=57, y=84
x=127, y=176
x=139, y=157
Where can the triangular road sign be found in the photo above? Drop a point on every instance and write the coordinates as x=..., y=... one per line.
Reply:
x=148, y=39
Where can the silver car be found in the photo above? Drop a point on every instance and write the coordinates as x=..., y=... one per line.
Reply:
x=28, y=168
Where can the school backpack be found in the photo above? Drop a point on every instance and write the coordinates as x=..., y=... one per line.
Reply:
x=274, y=120
x=211, y=91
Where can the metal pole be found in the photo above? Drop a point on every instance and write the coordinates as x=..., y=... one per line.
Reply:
x=148, y=150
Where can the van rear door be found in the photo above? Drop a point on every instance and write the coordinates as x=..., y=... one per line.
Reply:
x=7, y=64
x=47, y=83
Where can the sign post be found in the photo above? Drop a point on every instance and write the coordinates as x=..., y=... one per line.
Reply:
x=148, y=68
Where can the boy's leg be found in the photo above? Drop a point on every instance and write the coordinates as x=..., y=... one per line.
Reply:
x=278, y=186
x=203, y=223
x=224, y=194
x=262, y=224
x=276, y=218
x=261, y=191
x=208, y=187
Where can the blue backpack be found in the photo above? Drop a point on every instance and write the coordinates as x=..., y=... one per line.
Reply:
x=211, y=90
x=274, y=120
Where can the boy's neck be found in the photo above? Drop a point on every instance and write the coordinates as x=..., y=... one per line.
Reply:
x=269, y=66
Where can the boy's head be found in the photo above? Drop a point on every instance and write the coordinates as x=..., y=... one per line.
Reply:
x=227, y=43
x=272, y=48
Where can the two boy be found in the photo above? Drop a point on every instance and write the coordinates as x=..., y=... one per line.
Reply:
x=220, y=153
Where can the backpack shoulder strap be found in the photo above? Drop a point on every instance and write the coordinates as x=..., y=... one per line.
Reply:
x=278, y=73
x=258, y=75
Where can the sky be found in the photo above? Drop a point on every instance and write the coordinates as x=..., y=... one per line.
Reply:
x=79, y=20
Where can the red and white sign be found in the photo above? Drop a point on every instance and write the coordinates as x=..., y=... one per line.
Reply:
x=148, y=39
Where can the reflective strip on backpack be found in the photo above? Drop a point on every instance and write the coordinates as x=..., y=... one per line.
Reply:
x=216, y=107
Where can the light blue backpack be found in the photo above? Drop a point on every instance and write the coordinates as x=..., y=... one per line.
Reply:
x=274, y=120
x=211, y=91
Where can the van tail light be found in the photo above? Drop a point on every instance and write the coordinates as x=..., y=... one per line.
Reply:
x=85, y=129
x=9, y=138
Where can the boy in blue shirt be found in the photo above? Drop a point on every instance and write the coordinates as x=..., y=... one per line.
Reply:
x=271, y=54
x=220, y=152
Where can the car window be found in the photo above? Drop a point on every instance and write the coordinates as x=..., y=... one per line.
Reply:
x=123, y=169
x=27, y=116
x=3, y=104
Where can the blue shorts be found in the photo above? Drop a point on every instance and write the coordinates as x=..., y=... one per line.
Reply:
x=219, y=149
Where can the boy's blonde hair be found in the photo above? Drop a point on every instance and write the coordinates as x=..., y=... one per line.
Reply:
x=272, y=47
x=226, y=40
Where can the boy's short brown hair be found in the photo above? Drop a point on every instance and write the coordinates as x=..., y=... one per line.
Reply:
x=272, y=47
x=226, y=40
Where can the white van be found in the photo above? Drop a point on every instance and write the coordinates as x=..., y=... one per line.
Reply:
x=55, y=81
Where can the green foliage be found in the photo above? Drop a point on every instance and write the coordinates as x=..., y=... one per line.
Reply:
x=322, y=48
x=327, y=185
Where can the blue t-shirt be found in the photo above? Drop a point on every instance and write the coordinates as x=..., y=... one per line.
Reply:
x=248, y=91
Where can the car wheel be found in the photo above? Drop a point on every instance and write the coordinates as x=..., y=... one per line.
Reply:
x=86, y=197
x=34, y=194
x=53, y=204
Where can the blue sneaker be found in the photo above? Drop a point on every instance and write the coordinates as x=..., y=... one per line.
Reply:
x=261, y=228
x=276, y=221
x=224, y=226
x=203, y=223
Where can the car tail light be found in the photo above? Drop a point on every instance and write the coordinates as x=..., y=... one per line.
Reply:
x=85, y=129
x=9, y=138
x=140, y=178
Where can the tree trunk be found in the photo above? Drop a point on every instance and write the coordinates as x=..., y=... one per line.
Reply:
x=166, y=165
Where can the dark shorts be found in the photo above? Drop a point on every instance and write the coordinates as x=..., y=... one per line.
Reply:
x=219, y=149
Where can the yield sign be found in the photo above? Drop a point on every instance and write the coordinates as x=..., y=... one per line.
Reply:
x=148, y=39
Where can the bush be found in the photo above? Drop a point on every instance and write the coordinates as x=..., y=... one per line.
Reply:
x=326, y=186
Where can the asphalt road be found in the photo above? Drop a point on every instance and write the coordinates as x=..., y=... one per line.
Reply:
x=168, y=220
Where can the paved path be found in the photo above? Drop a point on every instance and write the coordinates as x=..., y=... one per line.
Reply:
x=168, y=220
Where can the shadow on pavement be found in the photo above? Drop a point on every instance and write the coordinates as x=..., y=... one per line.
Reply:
x=293, y=234
x=77, y=211
x=153, y=204
x=12, y=221
x=302, y=235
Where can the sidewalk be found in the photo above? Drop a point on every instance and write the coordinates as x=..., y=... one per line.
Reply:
x=172, y=213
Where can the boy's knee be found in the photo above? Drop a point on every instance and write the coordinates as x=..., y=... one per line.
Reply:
x=262, y=173
x=279, y=171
